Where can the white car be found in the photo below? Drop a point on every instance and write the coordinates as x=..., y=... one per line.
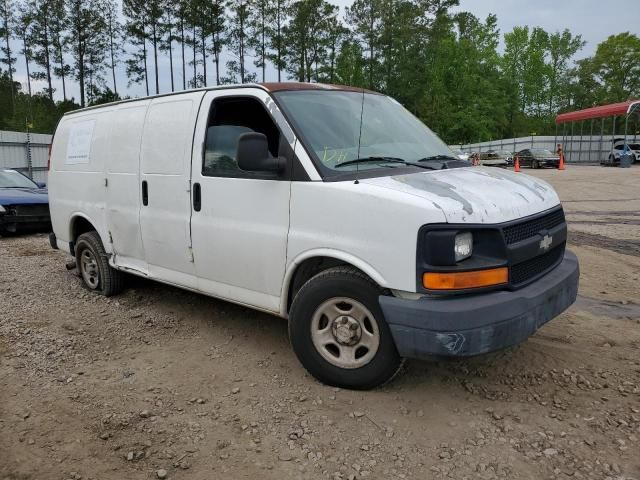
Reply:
x=460, y=154
x=617, y=149
x=331, y=207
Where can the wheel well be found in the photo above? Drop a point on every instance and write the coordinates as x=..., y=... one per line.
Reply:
x=79, y=226
x=308, y=269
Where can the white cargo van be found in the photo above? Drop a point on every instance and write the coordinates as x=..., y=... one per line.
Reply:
x=331, y=207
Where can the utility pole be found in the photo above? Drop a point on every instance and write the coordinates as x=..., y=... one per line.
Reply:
x=28, y=148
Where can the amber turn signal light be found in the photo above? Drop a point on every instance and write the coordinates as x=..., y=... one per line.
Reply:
x=464, y=280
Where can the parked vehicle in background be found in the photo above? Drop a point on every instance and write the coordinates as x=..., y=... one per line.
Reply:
x=24, y=204
x=492, y=158
x=506, y=154
x=328, y=206
x=538, y=158
x=460, y=154
x=617, y=150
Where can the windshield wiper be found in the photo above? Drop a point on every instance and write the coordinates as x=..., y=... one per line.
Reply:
x=437, y=157
x=383, y=160
x=445, y=161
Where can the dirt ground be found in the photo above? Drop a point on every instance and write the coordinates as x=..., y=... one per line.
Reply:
x=161, y=379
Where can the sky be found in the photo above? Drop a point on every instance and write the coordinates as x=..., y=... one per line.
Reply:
x=595, y=20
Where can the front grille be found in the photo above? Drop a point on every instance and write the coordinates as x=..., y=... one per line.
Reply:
x=535, y=266
x=530, y=228
x=31, y=210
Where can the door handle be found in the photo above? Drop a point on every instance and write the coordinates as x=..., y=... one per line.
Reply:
x=197, y=197
x=145, y=193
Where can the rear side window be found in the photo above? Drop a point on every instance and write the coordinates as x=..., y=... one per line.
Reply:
x=229, y=118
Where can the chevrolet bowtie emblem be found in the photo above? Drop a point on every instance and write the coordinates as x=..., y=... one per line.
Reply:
x=546, y=242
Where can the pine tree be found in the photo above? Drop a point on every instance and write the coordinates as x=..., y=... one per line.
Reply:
x=278, y=16
x=218, y=32
x=6, y=32
x=23, y=31
x=154, y=15
x=258, y=32
x=365, y=17
x=182, y=12
x=114, y=34
x=41, y=41
x=167, y=37
x=87, y=44
x=307, y=39
x=239, y=19
x=136, y=23
x=58, y=25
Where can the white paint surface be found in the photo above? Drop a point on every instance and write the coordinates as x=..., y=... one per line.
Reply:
x=250, y=235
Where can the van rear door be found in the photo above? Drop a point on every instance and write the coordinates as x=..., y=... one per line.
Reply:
x=123, y=186
x=164, y=187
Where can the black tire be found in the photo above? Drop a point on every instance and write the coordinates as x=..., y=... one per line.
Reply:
x=535, y=164
x=108, y=281
x=342, y=282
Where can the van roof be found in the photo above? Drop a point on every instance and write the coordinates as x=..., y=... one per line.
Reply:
x=267, y=86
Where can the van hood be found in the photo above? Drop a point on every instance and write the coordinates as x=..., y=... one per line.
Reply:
x=475, y=194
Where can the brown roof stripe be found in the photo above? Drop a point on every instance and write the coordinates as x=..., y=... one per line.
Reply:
x=282, y=86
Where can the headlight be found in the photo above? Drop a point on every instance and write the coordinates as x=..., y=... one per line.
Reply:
x=463, y=247
x=2, y=210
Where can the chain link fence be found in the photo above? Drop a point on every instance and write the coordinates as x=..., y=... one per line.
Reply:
x=26, y=152
x=577, y=149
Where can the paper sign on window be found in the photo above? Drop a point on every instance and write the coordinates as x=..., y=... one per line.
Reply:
x=79, y=143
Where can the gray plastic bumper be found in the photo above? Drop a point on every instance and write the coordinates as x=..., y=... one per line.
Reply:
x=476, y=324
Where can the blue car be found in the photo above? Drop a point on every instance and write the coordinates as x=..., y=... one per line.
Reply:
x=24, y=204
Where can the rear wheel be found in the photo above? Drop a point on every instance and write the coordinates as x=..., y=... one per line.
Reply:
x=92, y=263
x=337, y=330
x=535, y=164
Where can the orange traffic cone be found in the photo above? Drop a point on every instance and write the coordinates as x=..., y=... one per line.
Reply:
x=517, y=164
x=561, y=164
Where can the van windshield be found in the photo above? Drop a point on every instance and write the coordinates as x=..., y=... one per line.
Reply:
x=328, y=122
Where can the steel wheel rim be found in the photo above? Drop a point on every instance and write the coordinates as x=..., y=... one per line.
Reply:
x=345, y=333
x=89, y=269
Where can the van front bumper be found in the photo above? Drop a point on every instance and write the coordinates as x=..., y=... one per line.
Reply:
x=476, y=324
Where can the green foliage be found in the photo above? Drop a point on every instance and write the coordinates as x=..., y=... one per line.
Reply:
x=309, y=36
x=616, y=67
x=38, y=110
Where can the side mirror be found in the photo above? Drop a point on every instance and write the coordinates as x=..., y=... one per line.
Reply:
x=41, y=184
x=253, y=154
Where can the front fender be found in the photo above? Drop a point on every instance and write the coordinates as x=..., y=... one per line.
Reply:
x=340, y=255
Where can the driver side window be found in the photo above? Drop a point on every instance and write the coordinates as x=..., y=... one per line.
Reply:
x=230, y=118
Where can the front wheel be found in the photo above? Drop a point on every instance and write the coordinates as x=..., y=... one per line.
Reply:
x=338, y=332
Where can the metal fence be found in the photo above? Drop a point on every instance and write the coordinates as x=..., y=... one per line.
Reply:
x=577, y=149
x=27, y=153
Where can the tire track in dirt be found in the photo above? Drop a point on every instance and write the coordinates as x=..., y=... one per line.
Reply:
x=625, y=247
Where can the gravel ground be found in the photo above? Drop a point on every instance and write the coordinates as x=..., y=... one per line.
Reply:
x=162, y=383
